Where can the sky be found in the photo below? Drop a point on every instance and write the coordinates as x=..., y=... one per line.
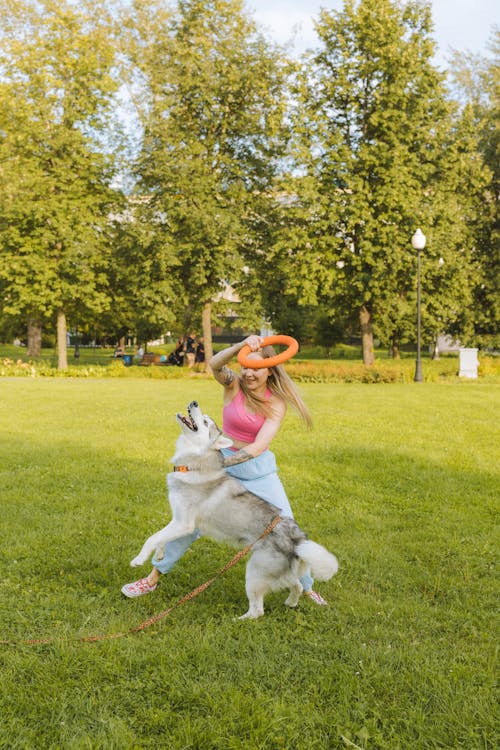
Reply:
x=463, y=25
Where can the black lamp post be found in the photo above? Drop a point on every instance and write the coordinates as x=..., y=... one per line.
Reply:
x=418, y=243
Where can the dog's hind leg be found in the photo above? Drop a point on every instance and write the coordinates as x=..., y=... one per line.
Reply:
x=256, y=589
x=294, y=596
x=255, y=604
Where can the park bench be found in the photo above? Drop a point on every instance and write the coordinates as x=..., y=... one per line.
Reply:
x=149, y=358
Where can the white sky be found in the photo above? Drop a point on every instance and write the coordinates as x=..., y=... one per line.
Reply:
x=458, y=24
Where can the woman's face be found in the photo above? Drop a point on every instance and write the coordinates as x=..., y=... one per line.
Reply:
x=255, y=379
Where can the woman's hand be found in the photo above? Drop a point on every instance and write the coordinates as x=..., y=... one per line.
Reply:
x=254, y=342
x=218, y=363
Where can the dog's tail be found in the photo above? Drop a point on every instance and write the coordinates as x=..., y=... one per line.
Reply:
x=323, y=564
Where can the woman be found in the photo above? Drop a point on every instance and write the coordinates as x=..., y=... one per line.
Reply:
x=255, y=403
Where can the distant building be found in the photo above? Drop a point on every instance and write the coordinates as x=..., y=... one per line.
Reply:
x=445, y=344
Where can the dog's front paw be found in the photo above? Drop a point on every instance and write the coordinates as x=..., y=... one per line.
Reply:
x=139, y=560
x=160, y=552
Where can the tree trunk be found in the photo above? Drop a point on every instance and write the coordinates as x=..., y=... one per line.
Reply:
x=62, y=350
x=435, y=349
x=206, y=324
x=34, y=338
x=366, y=336
x=395, y=350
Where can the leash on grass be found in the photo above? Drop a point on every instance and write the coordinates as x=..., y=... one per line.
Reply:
x=161, y=615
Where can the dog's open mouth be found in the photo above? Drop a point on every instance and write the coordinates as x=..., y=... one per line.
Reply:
x=188, y=421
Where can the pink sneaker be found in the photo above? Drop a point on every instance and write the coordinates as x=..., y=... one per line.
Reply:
x=317, y=598
x=138, y=588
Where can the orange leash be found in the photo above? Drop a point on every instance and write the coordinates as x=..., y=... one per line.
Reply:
x=160, y=615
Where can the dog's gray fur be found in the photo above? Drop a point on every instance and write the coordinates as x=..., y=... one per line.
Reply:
x=206, y=498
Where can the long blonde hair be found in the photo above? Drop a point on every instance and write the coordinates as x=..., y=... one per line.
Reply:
x=280, y=384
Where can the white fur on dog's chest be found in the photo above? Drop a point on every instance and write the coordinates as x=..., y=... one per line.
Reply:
x=179, y=479
x=191, y=489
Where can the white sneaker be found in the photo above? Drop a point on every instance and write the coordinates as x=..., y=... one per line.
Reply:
x=317, y=598
x=138, y=588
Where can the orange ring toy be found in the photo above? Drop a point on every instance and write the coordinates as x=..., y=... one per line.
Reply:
x=259, y=364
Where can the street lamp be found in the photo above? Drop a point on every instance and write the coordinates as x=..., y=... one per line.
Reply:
x=418, y=243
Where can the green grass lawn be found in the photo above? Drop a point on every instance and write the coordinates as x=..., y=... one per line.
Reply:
x=399, y=481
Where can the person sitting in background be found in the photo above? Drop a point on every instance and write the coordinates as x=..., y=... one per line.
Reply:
x=178, y=353
x=190, y=351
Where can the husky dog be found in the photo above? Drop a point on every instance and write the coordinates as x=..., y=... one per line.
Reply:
x=203, y=496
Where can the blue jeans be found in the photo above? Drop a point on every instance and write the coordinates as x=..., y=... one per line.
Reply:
x=259, y=475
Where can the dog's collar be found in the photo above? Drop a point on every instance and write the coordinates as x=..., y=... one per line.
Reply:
x=181, y=468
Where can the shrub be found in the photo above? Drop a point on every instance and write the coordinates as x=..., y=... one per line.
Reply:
x=326, y=372
x=306, y=370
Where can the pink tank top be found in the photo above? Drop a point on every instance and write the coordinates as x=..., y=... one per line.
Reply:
x=237, y=423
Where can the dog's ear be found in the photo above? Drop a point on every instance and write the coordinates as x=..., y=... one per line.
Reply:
x=223, y=442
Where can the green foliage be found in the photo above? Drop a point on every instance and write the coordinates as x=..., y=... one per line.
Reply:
x=404, y=656
x=308, y=367
x=56, y=87
x=401, y=371
x=477, y=82
x=379, y=153
x=19, y=368
x=328, y=332
x=211, y=110
x=303, y=198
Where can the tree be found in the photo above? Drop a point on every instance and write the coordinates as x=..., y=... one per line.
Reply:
x=377, y=158
x=57, y=88
x=476, y=82
x=211, y=109
x=143, y=273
